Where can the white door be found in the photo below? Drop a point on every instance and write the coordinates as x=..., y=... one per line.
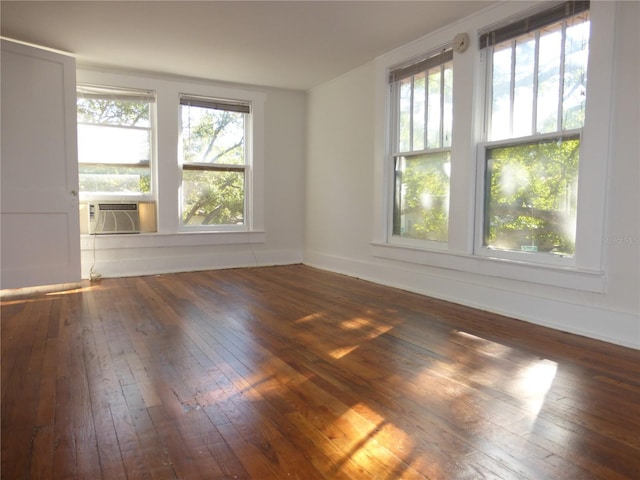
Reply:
x=40, y=232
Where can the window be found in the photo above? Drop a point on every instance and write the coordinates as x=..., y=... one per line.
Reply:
x=115, y=141
x=528, y=184
x=215, y=161
x=422, y=107
x=535, y=110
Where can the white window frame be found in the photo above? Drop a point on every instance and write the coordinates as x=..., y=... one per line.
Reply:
x=246, y=168
x=481, y=172
x=117, y=196
x=413, y=67
x=586, y=273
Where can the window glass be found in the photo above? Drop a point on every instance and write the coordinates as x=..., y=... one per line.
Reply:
x=523, y=86
x=422, y=196
x=501, y=98
x=212, y=197
x=575, y=74
x=210, y=135
x=419, y=111
x=532, y=196
x=405, y=106
x=549, y=79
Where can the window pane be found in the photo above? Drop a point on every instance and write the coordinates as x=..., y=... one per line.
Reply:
x=113, y=145
x=575, y=74
x=419, y=106
x=448, y=106
x=211, y=197
x=404, y=120
x=532, y=196
x=114, y=179
x=422, y=196
x=501, y=93
x=212, y=136
x=561, y=65
x=549, y=79
x=523, y=86
x=435, y=111
x=423, y=105
x=107, y=111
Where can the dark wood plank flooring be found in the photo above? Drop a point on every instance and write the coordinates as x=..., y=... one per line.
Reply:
x=296, y=373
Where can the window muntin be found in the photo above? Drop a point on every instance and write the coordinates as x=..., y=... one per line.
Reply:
x=115, y=141
x=537, y=93
x=422, y=102
x=214, y=161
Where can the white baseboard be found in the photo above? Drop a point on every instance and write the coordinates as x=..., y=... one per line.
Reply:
x=593, y=321
x=155, y=261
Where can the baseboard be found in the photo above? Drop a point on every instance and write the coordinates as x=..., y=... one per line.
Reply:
x=113, y=264
x=593, y=321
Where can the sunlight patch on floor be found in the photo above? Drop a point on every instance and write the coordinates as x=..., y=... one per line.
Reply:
x=482, y=345
x=77, y=290
x=371, y=448
x=338, y=353
x=533, y=384
x=26, y=295
x=309, y=318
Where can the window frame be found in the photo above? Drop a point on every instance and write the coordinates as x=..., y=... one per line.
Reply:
x=439, y=57
x=133, y=92
x=486, y=143
x=246, y=167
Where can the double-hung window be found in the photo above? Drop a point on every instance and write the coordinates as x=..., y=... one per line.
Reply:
x=535, y=110
x=421, y=113
x=115, y=141
x=215, y=160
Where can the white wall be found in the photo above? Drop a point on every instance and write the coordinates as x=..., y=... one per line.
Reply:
x=342, y=192
x=277, y=235
x=339, y=167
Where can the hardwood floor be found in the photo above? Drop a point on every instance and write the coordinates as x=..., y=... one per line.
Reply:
x=295, y=373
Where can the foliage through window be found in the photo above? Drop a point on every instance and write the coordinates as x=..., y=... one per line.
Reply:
x=214, y=161
x=422, y=111
x=535, y=106
x=115, y=141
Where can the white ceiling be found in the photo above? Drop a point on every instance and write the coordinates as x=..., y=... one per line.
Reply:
x=288, y=44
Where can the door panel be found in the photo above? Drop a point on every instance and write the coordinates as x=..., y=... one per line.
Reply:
x=39, y=205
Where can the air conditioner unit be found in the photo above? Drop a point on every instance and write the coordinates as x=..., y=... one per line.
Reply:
x=105, y=218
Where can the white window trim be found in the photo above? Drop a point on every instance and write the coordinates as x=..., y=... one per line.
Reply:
x=166, y=172
x=519, y=270
x=394, y=101
x=248, y=180
x=254, y=146
x=159, y=240
x=586, y=273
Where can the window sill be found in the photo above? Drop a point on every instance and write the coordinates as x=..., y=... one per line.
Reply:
x=183, y=239
x=549, y=275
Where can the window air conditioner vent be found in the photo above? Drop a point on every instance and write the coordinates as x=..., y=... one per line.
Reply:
x=105, y=218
